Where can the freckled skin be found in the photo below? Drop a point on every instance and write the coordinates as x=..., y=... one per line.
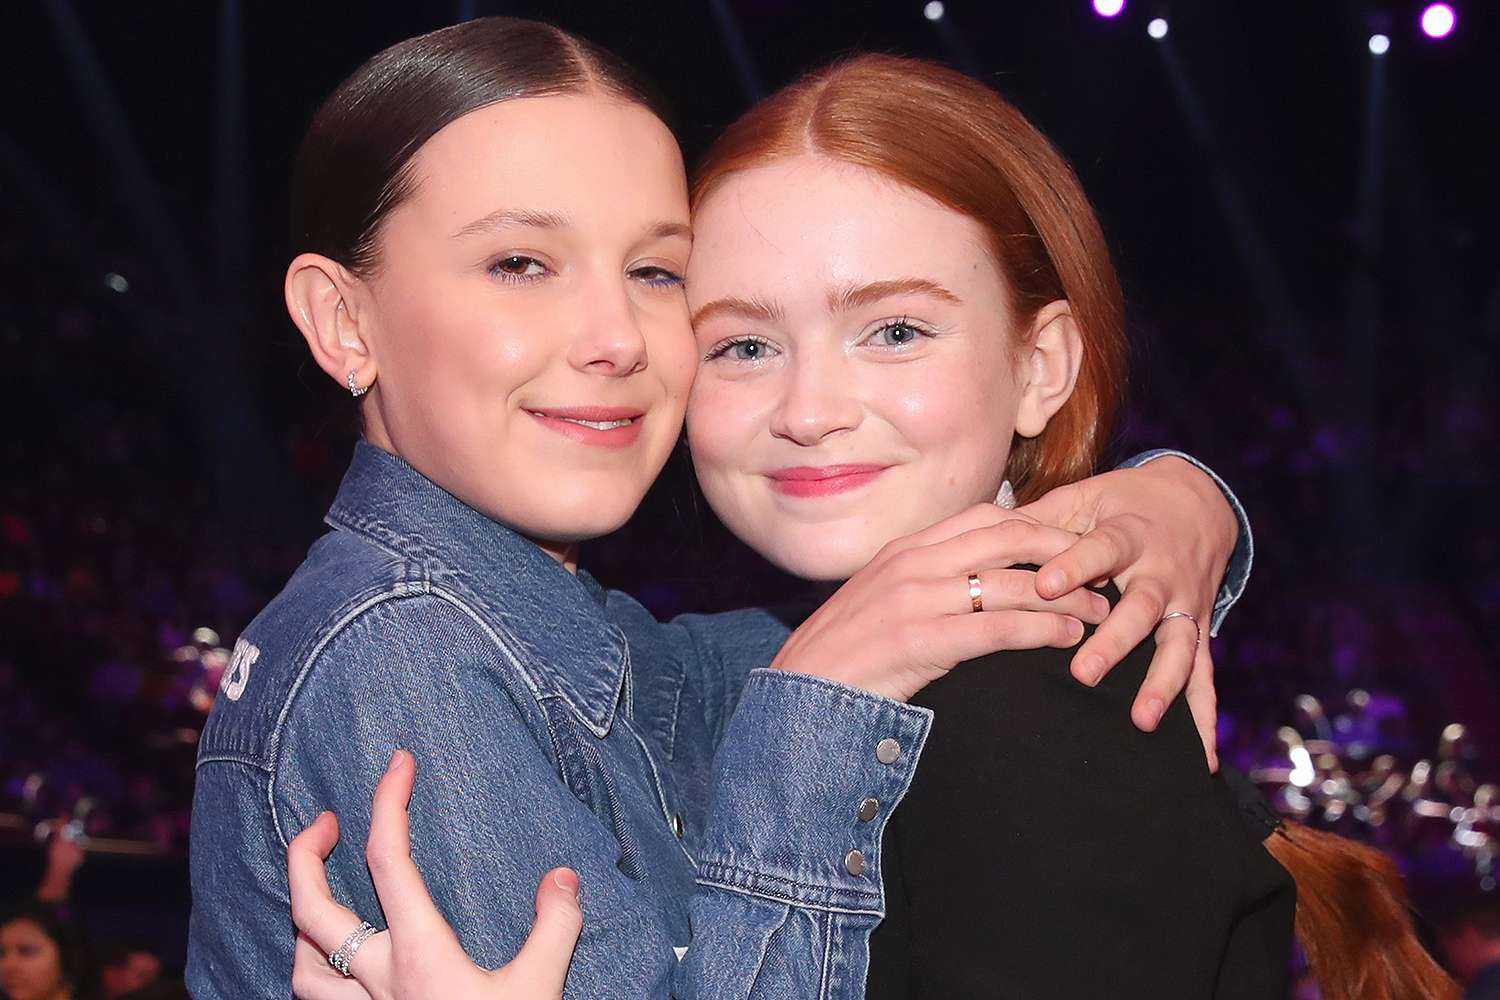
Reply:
x=940, y=411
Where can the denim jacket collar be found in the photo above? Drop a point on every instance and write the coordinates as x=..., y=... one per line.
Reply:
x=569, y=647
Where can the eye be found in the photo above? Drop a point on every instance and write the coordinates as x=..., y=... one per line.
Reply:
x=657, y=277
x=746, y=350
x=897, y=333
x=518, y=267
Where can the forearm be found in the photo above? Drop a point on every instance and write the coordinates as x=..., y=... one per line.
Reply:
x=790, y=865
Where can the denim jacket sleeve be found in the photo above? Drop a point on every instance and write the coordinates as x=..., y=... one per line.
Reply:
x=241, y=933
x=489, y=816
x=789, y=867
x=1243, y=557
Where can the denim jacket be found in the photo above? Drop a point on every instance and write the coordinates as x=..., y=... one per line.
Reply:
x=702, y=799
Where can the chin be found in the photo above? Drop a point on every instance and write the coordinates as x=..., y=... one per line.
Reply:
x=821, y=559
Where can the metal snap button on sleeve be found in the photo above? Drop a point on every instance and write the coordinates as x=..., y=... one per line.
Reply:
x=888, y=751
x=854, y=862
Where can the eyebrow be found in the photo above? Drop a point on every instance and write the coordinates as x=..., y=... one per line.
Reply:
x=751, y=308
x=854, y=296
x=508, y=217
x=501, y=218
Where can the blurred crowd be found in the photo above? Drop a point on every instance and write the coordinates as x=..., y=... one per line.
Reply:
x=128, y=564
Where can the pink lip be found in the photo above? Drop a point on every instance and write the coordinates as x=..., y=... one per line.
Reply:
x=561, y=419
x=822, y=480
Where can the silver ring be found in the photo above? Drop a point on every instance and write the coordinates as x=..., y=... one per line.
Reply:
x=340, y=959
x=976, y=593
x=1183, y=614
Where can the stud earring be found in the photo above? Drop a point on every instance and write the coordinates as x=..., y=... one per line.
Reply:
x=355, y=389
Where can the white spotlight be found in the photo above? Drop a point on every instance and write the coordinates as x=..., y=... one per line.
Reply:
x=1157, y=29
x=1380, y=45
x=116, y=283
x=933, y=11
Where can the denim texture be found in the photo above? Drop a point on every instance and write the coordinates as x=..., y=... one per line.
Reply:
x=553, y=724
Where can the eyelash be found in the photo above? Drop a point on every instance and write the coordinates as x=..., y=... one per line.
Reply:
x=902, y=323
x=725, y=346
x=496, y=270
x=660, y=277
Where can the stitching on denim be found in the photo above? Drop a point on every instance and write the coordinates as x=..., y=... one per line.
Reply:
x=518, y=663
x=827, y=955
x=736, y=875
x=229, y=758
x=274, y=749
x=661, y=795
x=784, y=901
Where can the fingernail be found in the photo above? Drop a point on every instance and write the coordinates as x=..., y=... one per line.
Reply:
x=1049, y=583
x=567, y=880
x=395, y=764
x=1075, y=629
x=1154, y=710
x=1092, y=669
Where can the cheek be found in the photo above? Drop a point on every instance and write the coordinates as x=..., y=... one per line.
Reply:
x=438, y=344
x=721, y=422
x=961, y=425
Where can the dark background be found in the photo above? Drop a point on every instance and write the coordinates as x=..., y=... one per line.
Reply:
x=1305, y=236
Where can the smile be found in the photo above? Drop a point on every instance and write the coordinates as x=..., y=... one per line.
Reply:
x=805, y=481
x=604, y=426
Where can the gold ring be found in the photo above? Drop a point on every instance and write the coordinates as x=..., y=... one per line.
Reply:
x=976, y=593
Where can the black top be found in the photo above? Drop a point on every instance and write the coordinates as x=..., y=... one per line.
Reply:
x=1049, y=849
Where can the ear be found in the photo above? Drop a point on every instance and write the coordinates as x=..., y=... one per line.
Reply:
x=321, y=298
x=1049, y=366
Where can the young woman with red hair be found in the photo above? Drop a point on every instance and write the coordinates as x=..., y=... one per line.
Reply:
x=904, y=306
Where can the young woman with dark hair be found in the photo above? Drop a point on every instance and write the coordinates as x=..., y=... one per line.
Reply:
x=44, y=957
x=902, y=300
x=496, y=223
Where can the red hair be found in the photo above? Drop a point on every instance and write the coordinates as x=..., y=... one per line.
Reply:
x=957, y=141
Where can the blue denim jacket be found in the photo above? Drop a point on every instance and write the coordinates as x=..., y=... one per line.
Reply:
x=702, y=800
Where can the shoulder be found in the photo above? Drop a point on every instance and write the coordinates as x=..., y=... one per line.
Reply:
x=351, y=607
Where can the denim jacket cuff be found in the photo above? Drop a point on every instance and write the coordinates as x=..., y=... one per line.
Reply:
x=1243, y=557
x=804, y=782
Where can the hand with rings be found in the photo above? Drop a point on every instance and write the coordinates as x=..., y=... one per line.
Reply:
x=934, y=599
x=340, y=957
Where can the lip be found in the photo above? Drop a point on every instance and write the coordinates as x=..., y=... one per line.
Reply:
x=822, y=480
x=561, y=419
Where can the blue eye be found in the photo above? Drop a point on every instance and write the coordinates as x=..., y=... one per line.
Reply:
x=747, y=350
x=658, y=277
x=897, y=334
x=518, y=268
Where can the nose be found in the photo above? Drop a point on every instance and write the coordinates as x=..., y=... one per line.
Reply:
x=610, y=340
x=817, y=402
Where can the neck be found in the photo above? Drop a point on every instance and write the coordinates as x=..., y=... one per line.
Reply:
x=565, y=553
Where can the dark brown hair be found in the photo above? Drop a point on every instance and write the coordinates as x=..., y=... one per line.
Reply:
x=354, y=164
x=958, y=142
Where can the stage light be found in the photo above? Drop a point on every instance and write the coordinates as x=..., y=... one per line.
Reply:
x=116, y=283
x=933, y=11
x=1438, y=20
x=1379, y=45
x=1108, y=8
x=1157, y=29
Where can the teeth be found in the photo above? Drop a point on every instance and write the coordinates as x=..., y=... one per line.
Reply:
x=600, y=425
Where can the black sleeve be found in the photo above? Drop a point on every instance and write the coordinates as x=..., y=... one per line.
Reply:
x=1049, y=849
